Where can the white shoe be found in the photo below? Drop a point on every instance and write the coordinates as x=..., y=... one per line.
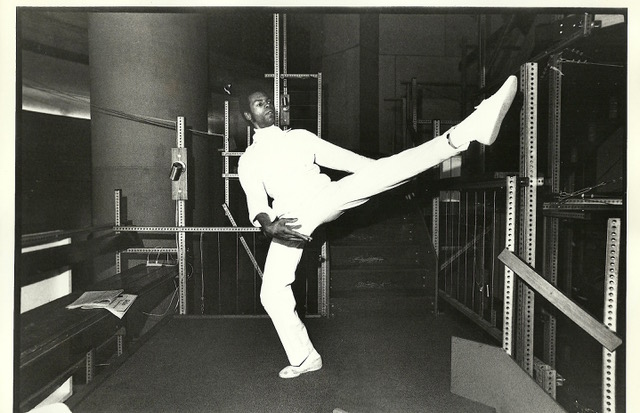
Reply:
x=484, y=123
x=312, y=363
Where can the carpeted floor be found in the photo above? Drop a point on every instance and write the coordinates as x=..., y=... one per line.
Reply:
x=374, y=361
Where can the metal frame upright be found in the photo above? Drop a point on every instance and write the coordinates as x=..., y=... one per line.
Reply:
x=278, y=76
x=528, y=207
x=551, y=225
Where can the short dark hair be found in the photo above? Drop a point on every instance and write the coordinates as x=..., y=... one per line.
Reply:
x=244, y=90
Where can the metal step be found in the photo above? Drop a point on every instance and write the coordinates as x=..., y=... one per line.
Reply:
x=377, y=279
x=375, y=255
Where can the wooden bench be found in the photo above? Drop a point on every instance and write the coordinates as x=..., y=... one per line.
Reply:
x=56, y=343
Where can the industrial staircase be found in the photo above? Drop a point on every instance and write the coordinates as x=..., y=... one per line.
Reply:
x=381, y=258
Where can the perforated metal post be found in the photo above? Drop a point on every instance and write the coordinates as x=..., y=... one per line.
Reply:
x=90, y=365
x=414, y=104
x=528, y=169
x=545, y=376
x=552, y=224
x=181, y=236
x=284, y=52
x=276, y=67
x=405, y=143
x=120, y=334
x=319, y=104
x=446, y=197
x=323, y=281
x=614, y=229
x=482, y=72
x=226, y=150
x=117, y=222
x=435, y=227
x=510, y=232
x=551, y=235
x=435, y=132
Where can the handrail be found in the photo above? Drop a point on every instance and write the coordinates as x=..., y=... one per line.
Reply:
x=49, y=236
x=583, y=319
x=173, y=229
x=459, y=183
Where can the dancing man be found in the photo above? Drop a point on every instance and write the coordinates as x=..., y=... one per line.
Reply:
x=284, y=167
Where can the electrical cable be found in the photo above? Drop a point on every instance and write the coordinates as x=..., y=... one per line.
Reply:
x=175, y=292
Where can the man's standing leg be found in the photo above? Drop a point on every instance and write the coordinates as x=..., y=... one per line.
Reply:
x=279, y=302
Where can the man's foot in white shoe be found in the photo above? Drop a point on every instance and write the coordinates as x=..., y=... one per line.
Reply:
x=312, y=363
x=484, y=123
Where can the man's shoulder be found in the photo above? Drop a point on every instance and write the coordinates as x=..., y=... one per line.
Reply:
x=301, y=132
x=246, y=155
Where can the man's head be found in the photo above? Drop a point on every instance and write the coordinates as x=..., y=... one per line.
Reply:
x=258, y=109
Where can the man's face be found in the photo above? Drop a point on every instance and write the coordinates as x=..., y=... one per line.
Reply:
x=262, y=112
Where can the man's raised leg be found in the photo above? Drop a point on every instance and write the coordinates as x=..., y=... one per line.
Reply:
x=387, y=173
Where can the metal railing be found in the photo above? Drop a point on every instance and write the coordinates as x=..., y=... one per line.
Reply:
x=485, y=235
x=469, y=233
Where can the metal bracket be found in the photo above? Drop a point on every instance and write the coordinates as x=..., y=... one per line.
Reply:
x=179, y=163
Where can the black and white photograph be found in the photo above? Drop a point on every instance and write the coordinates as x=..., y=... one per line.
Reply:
x=340, y=208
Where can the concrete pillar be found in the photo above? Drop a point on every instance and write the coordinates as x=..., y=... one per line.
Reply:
x=152, y=65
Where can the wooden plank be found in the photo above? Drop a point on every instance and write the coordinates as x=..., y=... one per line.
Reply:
x=589, y=324
x=35, y=265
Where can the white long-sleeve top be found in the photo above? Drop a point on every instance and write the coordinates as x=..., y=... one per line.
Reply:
x=285, y=166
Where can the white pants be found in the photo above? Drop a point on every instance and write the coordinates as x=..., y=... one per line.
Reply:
x=353, y=190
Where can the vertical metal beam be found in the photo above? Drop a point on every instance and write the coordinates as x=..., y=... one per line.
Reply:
x=181, y=236
x=555, y=121
x=550, y=258
x=493, y=278
x=405, y=144
x=610, y=313
x=435, y=132
x=276, y=67
x=319, y=105
x=463, y=79
x=509, y=294
x=435, y=229
x=482, y=46
x=474, y=281
x=528, y=168
x=90, y=365
x=323, y=281
x=482, y=71
x=551, y=225
x=226, y=150
x=118, y=222
x=484, y=288
x=414, y=104
x=120, y=340
x=545, y=377
x=284, y=53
